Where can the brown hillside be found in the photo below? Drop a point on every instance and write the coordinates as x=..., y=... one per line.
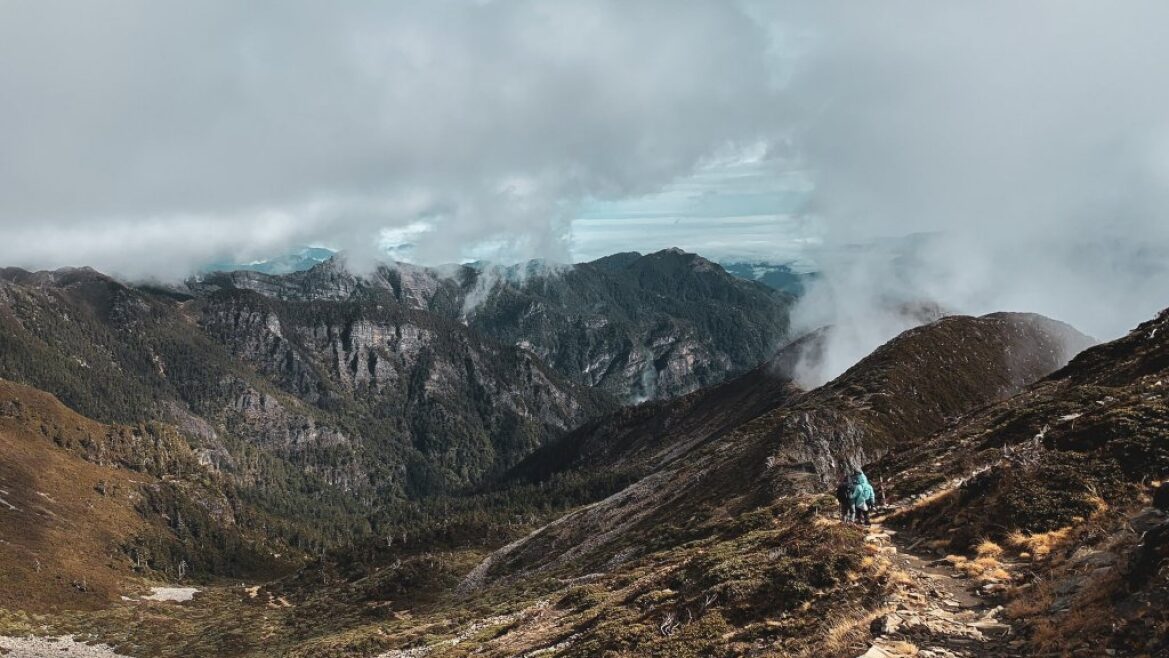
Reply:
x=1063, y=477
x=906, y=390
x=63, y=520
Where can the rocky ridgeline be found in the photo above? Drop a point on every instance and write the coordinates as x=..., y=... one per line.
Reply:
x=638, y=327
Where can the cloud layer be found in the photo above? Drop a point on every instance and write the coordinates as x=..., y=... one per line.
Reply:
x=144, y=136
x=1029, y=140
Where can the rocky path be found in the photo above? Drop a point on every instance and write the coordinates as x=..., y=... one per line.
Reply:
x=935, y=611
x=53, y=647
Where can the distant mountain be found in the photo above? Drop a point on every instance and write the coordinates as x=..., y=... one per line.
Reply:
x=779, y=276
x=511, y=512
x=321, y=402
x=640, y=327
x=298, y=260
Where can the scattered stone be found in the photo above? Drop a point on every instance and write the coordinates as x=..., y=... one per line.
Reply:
x=885, y=624
x=1068, y=586
x=876, y=652
x=50, y=647
x=177, y=594
x=1147, y=519
x=991, y=589
x=992, y=627
x=1093, y=558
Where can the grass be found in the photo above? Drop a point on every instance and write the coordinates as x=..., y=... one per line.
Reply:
x=1038, y=546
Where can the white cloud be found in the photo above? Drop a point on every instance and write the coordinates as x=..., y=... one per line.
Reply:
x=136, y=116
x=1022, y=135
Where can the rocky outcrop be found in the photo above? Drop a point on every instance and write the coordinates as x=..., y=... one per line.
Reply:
x=638, y=327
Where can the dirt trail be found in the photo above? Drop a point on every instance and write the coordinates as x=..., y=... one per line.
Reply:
x=935, y=612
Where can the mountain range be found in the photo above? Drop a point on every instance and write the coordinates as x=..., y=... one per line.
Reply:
x=611, y=459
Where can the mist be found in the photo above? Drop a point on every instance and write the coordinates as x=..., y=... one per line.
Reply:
x=1016, y=152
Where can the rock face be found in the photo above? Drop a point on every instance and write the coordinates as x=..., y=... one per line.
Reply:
x=638, y=327
x=321, y=397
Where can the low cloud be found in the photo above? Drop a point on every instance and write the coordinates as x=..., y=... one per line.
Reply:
x=1027, y=141
x=147, y=138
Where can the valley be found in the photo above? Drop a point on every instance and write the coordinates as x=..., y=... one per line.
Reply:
x=340, y=467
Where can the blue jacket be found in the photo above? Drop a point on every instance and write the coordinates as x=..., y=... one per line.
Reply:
x=862, y=491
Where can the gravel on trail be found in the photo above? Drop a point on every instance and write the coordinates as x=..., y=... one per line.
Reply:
x=53, y=647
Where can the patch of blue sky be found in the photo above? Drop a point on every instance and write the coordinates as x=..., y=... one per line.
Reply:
x=748, y=209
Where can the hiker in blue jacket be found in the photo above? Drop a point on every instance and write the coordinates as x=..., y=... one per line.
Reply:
x=863, y=497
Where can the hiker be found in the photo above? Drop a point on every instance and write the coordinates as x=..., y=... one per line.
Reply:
x=844, y=497
x=863, y=498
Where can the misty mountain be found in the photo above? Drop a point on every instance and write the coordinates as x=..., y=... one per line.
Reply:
x=775, y=275
x=427, y=483
x=296, y=261
x=677, y=527
x=636, y=326
x=317, y=397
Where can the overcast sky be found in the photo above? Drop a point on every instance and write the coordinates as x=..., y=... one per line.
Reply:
x=147, y=138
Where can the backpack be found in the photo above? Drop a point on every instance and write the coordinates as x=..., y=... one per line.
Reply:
x=844, y=492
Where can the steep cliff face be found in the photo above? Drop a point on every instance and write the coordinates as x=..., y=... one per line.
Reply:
x=638, y=327
x=404, y=384
x=641, y=327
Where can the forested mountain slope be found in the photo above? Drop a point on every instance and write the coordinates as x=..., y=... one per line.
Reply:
x=85, y=508
x=321, y=412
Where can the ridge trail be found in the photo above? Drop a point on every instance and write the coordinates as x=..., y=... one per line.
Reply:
x=934, y=611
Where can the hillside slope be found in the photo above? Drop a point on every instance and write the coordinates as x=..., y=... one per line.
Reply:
x=1064, y=480
x=80, y=525
x=905, y=390
x=319, y=412
x=724, y=543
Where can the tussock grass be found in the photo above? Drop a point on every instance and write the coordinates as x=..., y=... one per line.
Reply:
x=845, y=634
x=1040, y=545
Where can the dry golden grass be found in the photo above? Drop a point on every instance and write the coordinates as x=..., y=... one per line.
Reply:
x=986, y=568
x=1031, y=602
x=845, y=634
x=1038, y=546
x=1089, y=617
x=989, y=549
x=902, y=648
x=926, y=501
